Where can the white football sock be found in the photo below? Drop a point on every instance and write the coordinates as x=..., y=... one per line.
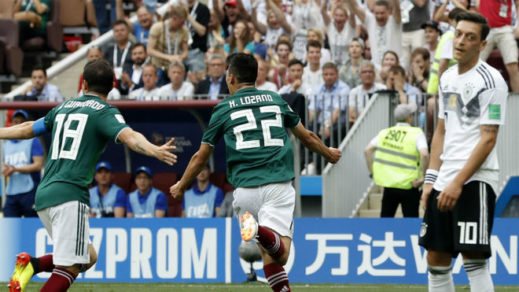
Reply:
x=440, y=279
x=479, y=275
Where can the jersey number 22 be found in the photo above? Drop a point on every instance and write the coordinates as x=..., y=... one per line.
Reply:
x=251, y=125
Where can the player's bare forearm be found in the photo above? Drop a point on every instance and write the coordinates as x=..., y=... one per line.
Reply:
x=311, y=141
x=20, y=131
x=196, y=164
x=479, y=154
x=437, y=145
x=138, y=143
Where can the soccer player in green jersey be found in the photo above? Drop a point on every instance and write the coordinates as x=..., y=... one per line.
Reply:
x=259, y=162
x=81, y=127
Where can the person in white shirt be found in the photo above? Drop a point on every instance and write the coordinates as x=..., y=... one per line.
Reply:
x=360, y=95
x=295, y=73
x=461, y=181
x=149, y=91
x=261, y=80
x=384, y=26
x=132, y=77
x=178, y=89
x=340, y=30
x=312, y=74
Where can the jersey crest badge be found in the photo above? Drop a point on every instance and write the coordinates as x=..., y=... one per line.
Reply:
x=453, y=101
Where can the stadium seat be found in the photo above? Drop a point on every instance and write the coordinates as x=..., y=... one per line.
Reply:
x=164, y=180
x=122, y=179
x=218, y=179
x=11, y=55
x=75, y=13
x=54, y=40
x=495, y=60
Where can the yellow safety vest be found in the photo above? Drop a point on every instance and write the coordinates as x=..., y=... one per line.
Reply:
x=397, y=161
x=432, y=87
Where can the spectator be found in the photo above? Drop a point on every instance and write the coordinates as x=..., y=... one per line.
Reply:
x=141, y=28
x=499, y=15
x=95, y=53
x=228, y=15
x=118, y=53
x=432, y=36
x=261, y=80
x=276, y=26
x=360, y=95
x=312, y=75
x=314, y=34
x=241, y=39
x=149, y=90
x=169, y=39
x=216, y=40
x=32, y=17
x=349, y=72
x=306, y=14
x=396, y=81
x=204, y=199
x=260, y=50
x=340, y=33
x=146, y=201
x=178, y=89
x=102, y=17
x=420, y=66
x=226, y=209
x=214, y=85
x=444, y=7
x=23, y=160
x=389, y=60
x=295, y=71
x=106, y=198
x=132, y=77
x=40, y=89
x=413, y=13
x=384, y=26
x=279, y=62
x=329, y=102
x=399, y=176
x=197, y=22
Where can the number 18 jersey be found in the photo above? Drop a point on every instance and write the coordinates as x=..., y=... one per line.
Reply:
x=80, y=128
x=258, y=148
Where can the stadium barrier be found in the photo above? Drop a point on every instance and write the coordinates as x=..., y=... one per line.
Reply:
x=206, y=250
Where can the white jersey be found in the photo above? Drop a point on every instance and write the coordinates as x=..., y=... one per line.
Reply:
x=467, y=101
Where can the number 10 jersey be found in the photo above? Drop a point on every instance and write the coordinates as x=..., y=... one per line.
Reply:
x=81, y=127
x=253, y=123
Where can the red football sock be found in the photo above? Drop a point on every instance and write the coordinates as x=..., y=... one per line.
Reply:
x=44, y=264
x=59, y=281
x=271, y=241
x=277, y=277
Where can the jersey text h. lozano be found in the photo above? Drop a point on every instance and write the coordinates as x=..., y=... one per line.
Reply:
x=251, y=100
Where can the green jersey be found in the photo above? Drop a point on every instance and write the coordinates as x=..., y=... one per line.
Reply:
x=81, y=128
x=258, y=148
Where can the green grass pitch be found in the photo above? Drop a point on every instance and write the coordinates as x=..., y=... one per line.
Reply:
x=253, y=287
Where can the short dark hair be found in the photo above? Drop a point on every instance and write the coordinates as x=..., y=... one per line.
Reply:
x=39, y=68
x=244, y=67
x=294, y=62
x=384, y=3
x=475, y=18
x=283, y=42
x=99, y=75
x=453, y=14
x=397, y=69
x=330, y=65
x=123, y=22
x=314, y=44
x=138, y=45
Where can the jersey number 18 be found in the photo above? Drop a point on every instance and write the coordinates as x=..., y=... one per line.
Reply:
x=73, y=129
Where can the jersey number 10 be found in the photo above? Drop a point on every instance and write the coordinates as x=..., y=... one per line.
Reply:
x=72, y=134
x=251, y=125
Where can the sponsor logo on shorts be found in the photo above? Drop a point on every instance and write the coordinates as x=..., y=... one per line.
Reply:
x=423, y=229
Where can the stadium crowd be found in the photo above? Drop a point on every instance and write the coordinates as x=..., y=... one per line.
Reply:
x=333, y=54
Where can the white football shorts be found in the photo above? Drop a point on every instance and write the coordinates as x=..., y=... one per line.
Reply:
x=272, y=205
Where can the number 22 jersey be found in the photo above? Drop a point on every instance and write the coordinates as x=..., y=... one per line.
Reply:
x=253, y=123
x=81, y=127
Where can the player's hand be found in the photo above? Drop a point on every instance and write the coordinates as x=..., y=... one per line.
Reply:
x=334, y=155
x=176, y=191
x=449, y=197
x=426, y=192
x=164, y=152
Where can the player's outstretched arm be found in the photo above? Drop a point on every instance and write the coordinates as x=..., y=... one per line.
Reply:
x=20, y=131
x=138, y=143
x=312, y=142
x=196, y=164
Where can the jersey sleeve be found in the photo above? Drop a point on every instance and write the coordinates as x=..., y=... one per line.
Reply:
x=493, y=106
x=214, y=131
x=36, y=148
x=121, y=199
x=111, y=123
x=441, y=108
x=48, y=120
x=162, y=202
x=291, y=118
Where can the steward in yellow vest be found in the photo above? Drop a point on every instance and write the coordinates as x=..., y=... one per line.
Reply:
x=400, y=157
